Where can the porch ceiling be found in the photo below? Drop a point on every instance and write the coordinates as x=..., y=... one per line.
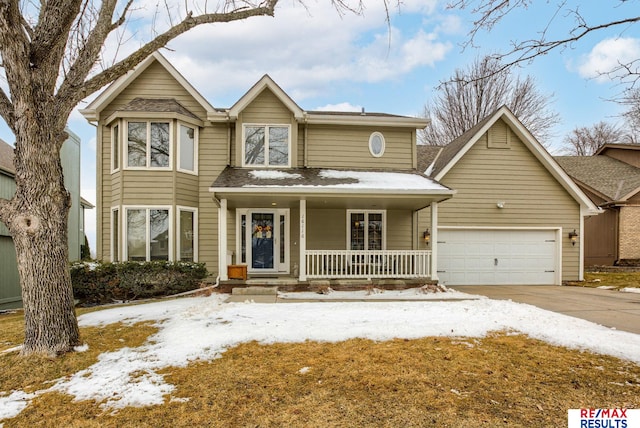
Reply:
x=326, y=188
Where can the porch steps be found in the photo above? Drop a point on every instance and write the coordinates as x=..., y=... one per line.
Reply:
x=255, y=294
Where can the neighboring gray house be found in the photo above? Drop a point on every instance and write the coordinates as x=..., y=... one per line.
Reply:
x=10, y=295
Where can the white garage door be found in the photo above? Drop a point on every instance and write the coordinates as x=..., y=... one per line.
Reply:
x=487, y=257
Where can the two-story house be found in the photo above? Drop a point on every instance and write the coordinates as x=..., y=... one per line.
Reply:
x=301, y=194
x=264, y=183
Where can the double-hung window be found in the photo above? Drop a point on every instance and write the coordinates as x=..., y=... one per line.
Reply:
x=366, y=230
x=148, y=145
x=147, y=234
x=267, y=145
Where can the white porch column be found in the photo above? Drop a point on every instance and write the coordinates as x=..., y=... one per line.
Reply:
x=434, y=241
x=303, y=240
x=222, y=240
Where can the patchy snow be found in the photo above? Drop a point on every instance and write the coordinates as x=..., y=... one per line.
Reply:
x=630, y=290
x=202, y=328
x=273, y=175
x=382, y=180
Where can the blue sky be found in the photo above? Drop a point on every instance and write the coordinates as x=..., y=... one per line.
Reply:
x=327, y=61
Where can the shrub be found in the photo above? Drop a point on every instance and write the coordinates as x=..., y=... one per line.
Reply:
x=97, y=283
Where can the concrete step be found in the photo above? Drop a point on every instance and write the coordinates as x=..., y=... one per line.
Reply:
x=255, y=291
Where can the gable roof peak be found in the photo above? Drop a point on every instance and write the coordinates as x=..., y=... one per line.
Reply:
x=92, y=111
x=265, y=82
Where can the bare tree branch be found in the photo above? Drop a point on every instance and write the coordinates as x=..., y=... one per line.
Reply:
x=492, y=12
x=584, y=141
x=75, y=94
x=472, y=94
x=6, y=110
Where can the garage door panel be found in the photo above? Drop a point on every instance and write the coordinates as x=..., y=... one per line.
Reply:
x=476, y=256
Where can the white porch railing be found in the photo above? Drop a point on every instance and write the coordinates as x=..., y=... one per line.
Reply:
x=368, y=264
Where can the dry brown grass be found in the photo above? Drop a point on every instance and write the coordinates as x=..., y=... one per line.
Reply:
x=617, y=280
x=501, y=380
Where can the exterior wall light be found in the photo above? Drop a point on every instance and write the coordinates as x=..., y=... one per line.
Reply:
x=573, y=237
x=426, y=235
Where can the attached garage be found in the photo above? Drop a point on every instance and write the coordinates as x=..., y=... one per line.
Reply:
x=480, y=256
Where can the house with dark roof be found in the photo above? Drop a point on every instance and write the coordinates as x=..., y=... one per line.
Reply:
x=265, y=189
x=10, y=294
x=611, y=178
x=262, y=189
x=516, y=218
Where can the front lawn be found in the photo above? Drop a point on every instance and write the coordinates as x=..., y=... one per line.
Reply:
x=501, y=379
x=615, y=280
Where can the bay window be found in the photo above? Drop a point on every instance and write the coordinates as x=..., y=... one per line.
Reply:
x=147, y=234
x=148, y=145
x=266, y=145
x=187, y=148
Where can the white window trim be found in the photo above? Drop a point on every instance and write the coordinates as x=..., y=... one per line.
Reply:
x=366, y=226
x=126, y=146
x=113, y=145
x=196, y=137
x=125, y=230
x=266, y=144
x=180, y=208
x=112, y=245
x=384, y=144
x=282, y=268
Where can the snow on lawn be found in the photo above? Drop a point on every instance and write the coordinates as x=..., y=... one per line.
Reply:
x=203, y=328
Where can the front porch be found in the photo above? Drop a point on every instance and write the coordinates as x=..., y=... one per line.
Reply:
x=313, y=225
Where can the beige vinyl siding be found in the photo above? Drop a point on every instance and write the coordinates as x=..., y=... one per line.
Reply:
x=266, y=109
x=326, y=229
x=212, y=156
x=186, y=190
x=294, y=238
x=532, y=197
x=155, y=82
x=399, y=230
x=348, y=147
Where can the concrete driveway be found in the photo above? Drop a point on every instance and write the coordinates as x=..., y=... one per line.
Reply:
x=609, y=308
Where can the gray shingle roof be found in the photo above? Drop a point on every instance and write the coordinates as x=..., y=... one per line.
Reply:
x=450, y=150
x=610, y=177
x=426, y=156
x=6, y=157
x=161, y=105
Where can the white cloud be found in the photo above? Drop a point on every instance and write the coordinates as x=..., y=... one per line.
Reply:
x=307, y=50
x=348, y=107
x=607, y=56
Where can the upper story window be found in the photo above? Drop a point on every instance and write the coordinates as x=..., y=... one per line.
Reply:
x=187, y=148
x=266, y=145
x=148, y=145
x=376, y=144
x=115, y=148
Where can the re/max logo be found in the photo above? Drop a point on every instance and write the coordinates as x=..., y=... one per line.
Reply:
x=603, y=413
x=604, y=418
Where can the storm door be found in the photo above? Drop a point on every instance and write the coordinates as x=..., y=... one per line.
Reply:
x=264, y=240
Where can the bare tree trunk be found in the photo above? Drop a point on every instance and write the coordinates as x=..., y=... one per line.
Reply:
x=38, y=223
